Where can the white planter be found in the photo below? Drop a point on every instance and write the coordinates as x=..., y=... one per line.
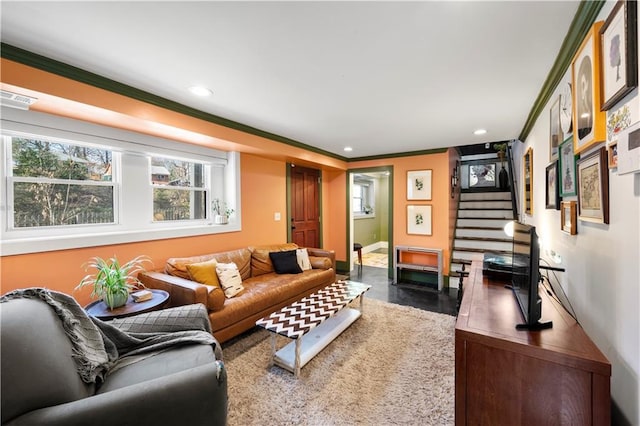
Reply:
x=220, y=220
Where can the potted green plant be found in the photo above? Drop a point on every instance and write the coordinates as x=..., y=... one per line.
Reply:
x=221, y=212
x=112, y=282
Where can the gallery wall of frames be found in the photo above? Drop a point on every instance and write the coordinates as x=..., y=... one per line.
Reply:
x=591, y=131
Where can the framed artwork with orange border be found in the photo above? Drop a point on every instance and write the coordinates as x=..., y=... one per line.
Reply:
x=589, y=122
x=568, y=217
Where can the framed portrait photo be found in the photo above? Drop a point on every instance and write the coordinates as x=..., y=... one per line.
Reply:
x=593, y=187
x=589, y=122
x=619, y=41
x=419, y=185
x=567, y=169
x=552, y=195
x=419, y=220
x=555, y=130
x=568, y=217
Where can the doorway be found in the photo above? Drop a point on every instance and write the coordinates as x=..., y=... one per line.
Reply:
x=304, y=206
x=370, y=217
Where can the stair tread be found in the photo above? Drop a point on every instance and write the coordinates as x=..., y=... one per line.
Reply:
x=490, y=239
x=474, y=250
x=481, y=218
x=486, y=200
x=484, y=208
x=481, y=228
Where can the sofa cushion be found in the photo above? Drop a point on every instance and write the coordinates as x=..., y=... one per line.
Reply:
x=285, y=262
x=161, y=364
x=303, y=259
x=318, y=262
x=260, y=261
x=266, y=291
x=177, y=266
x=204, y=272
x=229, y=277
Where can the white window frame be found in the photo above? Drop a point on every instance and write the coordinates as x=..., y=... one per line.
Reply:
x=134, y=221
x=10, y=180
x=368, y=197
x=206, y=187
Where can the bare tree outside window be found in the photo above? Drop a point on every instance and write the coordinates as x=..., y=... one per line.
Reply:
x=58, y=184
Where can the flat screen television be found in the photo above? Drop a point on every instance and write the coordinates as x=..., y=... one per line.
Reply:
x=525, y=276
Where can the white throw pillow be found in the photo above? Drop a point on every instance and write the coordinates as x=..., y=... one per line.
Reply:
x=303, y=259
x=230, y=279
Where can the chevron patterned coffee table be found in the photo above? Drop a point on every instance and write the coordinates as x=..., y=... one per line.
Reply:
x=313, y=323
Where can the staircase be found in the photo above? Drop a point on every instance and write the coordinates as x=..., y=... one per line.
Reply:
x=479, y=228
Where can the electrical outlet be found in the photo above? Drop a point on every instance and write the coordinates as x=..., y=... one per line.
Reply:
x=276, y=216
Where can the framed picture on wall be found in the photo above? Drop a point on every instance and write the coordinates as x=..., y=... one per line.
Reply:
x=419, y=185
x=552, y=195
x=555, y=131
x=629, y=150
x=619, y=41
x=612, y=151
x=589, y=122
x=568, y=217
x=593, y=187
x=567, y=169
x=419, y=220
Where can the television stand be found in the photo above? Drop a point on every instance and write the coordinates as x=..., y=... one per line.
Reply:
x=509, y=377
x=540, y=325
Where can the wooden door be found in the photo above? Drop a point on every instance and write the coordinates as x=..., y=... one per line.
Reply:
x=305, y=207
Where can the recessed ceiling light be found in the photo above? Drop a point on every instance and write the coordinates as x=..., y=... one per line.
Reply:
x=480, y=132
x=348, y=149
x=200, y=91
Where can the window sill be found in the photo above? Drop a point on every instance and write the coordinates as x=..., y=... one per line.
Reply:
x=43, y=244
x=364, y=216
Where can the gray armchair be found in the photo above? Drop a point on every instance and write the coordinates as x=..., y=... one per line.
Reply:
x=174, y=382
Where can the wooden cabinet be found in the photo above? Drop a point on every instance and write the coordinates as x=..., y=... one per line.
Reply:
x=506, y=376
x=419, y=259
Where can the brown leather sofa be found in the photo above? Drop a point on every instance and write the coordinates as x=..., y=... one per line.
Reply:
x=264, y=290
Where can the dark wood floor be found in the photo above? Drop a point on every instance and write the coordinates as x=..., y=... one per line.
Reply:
x=382, y=288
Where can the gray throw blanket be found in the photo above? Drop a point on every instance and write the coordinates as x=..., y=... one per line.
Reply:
x=100, y=347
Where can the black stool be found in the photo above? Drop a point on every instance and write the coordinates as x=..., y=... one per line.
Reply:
x=358, y=248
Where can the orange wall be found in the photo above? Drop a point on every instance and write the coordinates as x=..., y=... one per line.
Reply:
x=334, y=207
x=440, y=199
x=263, y=193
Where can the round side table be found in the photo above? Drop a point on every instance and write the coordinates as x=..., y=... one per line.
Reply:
x=101, y=311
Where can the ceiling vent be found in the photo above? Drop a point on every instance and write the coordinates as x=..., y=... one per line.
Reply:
x=14, y=100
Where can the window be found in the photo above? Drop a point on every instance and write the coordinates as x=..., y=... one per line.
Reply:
x=59, y=184
x=179, y=189
x=70, y=184
x=363, y=196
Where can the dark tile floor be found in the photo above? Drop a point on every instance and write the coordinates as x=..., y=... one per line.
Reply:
x=382, y=288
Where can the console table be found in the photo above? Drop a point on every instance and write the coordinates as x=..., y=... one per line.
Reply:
x=418, y=259
x=506, y=376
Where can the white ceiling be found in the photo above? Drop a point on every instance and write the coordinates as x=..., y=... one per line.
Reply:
x=381, y=77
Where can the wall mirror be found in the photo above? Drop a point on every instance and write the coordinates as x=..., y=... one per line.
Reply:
x=528, y=181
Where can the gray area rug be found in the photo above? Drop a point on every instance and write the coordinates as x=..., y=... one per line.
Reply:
x=393, y=366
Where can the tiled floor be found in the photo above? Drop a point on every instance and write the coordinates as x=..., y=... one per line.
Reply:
x=382, y=288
